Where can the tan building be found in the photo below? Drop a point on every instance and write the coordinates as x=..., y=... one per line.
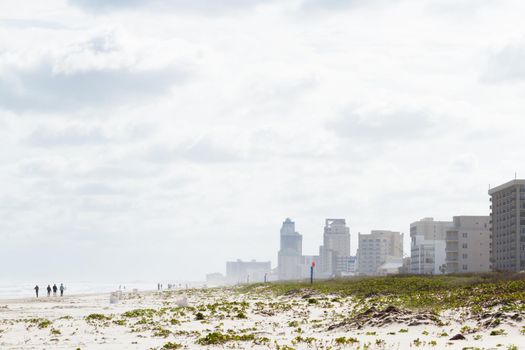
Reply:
x=378, y=248
x=468, y=245
x=508, y=226
x=336, y=245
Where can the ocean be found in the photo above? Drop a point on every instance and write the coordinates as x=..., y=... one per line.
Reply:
x=15, y=290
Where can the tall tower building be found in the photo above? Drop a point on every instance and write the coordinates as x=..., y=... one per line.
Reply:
x=508, y=226
x=290, y=252
x=336, y=246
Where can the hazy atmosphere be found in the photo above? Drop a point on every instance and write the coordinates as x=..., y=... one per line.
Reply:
x=159, y=139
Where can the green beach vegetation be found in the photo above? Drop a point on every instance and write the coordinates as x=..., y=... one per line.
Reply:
x=478, y=292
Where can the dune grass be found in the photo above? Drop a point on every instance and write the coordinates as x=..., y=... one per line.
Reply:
x=475, y=291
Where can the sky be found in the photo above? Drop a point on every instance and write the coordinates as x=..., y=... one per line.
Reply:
x=159, y=139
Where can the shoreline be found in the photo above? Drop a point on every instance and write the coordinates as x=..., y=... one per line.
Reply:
x=45, y=298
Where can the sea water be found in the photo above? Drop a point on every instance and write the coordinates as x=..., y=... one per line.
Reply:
x=15, y=290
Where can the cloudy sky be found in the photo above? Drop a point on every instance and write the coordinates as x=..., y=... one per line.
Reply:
x=148, y=139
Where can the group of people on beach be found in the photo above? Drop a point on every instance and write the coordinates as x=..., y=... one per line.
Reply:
x=55, y=289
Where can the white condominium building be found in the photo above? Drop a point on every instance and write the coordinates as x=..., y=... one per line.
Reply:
x=427, y=246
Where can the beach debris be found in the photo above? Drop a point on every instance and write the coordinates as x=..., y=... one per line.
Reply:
x=458, y=337
x=114, y=298
x=182, y=301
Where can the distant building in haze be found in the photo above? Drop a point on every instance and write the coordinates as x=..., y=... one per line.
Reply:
x=306, y=264
x=427, y=246
x=290, y=264
x=468, y=244
x=346, y=265
x=508, y=226
x=391, y=266
x=215, y=279
x=335, y=248
x=377, y=248
x=247, y=271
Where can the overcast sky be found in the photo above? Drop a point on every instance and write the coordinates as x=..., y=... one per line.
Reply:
x=158, y=139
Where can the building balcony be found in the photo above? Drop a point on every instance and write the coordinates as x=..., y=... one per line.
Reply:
x=454, y=237
x=453, y=248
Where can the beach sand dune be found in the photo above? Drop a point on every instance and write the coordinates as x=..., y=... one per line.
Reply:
x=231, y=318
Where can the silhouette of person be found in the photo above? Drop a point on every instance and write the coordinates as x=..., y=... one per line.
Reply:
x=62, y=289
x=36, y=290
x=55, y=288
x=48, y=290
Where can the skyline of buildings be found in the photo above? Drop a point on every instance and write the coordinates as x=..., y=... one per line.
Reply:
x=467, y=243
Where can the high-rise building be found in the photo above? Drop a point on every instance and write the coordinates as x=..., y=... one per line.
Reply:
x=377, y=248
x=427, y=247
x=508, y=226
x=290, y=252
x=468, y=244
x=336, y=245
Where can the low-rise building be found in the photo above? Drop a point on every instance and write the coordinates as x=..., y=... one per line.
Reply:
x=392, y=266
x=215, y=279
x=247, y=271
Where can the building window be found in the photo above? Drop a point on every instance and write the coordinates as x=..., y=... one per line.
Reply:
x=464, y=245
x=465, y=267
x=465, y=234
x=465, y=256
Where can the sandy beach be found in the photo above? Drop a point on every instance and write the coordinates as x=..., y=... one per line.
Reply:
x=236, y=318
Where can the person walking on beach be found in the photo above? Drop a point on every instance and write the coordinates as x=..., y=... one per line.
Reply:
x=36, y=290
x=62, y=289
x=48, y=290
x=55, y=288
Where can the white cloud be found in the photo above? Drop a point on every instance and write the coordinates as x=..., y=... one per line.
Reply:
x=189, y=129
x=198, y=6
x=42, y=89
x=506, y=65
